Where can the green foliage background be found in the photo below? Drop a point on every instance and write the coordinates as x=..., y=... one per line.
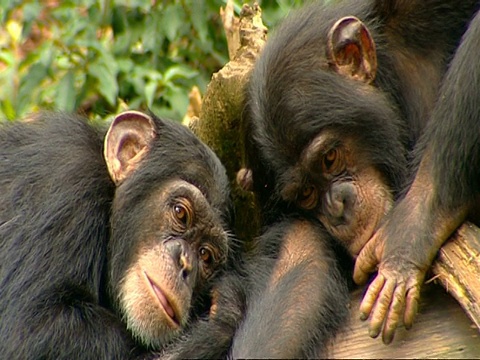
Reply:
x=97, y=57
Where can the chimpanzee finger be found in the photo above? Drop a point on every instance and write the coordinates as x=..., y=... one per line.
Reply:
x=380, y=310
x=365, y=263
x=370, y=296
x=214, y=299
x=411, y=305
x=394, y=314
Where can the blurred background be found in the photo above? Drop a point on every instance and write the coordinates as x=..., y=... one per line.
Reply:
x=96, y=57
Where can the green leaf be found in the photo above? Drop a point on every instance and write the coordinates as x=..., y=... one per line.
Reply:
x=173, y=20
x=179, y=71
x=29, y=84
x=31, y=11
x=198, y=11
x=7, y=57
x=7, y=109
x=178, y=100
x=106, y=81
x=150, y=90
x=66, y=93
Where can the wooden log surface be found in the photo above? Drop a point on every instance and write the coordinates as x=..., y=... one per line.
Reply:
x=441, y=330
x=444, y=328
x=457, y=268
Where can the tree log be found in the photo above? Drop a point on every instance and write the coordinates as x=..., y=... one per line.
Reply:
x=457, y=268
x=220, y=122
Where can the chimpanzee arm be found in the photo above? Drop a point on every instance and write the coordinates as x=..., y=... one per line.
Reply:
x=53, y=209
x=67, y=325
x=445, y=191
x=298, y=304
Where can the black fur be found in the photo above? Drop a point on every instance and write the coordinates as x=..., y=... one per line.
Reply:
x=452, y=132
x=55, y=243
x=297, y=317
x=288, y=320
x=294, y=94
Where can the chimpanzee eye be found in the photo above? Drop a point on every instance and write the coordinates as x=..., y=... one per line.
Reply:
x=307, y=191
x=182, y=214
x=332, y=162
x=206, y=255
x=329, y=160
x=308, y=197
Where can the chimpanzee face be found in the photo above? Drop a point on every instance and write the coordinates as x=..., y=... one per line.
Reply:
x=324, y=137
x=335, y=180
x=169, y=235
x=181, y=244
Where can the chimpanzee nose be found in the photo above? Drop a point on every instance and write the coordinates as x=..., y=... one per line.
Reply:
x=340, y=201
x=180, y=252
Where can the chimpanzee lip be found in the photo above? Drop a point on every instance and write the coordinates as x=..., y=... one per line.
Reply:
x=163, y=300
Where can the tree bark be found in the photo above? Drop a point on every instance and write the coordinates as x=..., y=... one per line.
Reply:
x=457, y=268
x=220, y=122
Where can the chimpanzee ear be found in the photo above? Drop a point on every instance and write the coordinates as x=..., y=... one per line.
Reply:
x=351, y=49
x=127, y=142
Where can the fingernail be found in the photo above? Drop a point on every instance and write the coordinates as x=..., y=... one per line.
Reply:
x=373, y=333
x=387, y=339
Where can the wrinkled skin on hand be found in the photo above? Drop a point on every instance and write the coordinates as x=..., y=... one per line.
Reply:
x=403, y=249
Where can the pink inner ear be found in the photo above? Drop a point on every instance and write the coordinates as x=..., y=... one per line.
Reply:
x=128, y=149
x=127, y=142
x=350, y=55
x=351, y=50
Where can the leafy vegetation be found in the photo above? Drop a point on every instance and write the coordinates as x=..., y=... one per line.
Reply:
x=96, y=56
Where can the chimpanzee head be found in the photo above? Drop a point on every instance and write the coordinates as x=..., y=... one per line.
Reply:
x=323, y=138
x=169, y=236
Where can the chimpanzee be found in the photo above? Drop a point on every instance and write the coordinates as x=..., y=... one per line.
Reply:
x=298, y=293
x=444, y=193
x=285, y=298
x=106, y=257
x=337, y=100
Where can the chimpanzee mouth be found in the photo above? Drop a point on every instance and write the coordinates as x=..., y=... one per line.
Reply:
x=162, y=299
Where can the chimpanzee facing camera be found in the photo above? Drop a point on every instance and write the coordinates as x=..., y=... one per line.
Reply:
x=337, y=100
x=106, y=257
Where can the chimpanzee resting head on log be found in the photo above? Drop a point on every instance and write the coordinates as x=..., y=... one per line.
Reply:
x=322, y=138
x=105, y=256
x=338, y=98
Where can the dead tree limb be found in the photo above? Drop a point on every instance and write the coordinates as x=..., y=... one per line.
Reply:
x=457, y=268
x=220, y=122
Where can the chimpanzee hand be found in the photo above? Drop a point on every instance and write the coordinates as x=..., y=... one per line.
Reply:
x=215, y=295
x=395, y=289
x=403, y=251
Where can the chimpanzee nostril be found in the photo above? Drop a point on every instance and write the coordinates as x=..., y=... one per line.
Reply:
x=340, y=201
x=185, y=265
x=179, y=251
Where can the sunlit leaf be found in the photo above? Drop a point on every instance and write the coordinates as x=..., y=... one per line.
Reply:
x=14, y=29
x=7, y=109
